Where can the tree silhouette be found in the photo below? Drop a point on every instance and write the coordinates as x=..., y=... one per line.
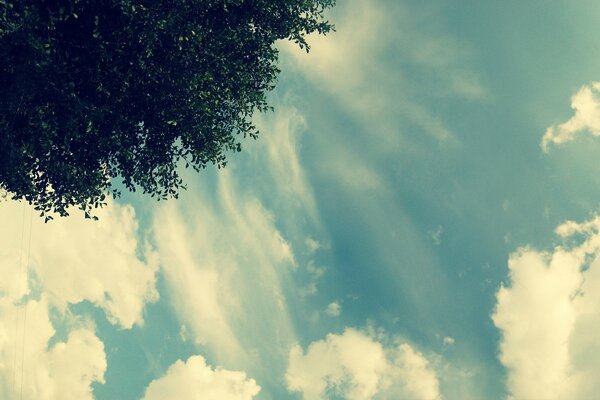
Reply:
x=94, y=90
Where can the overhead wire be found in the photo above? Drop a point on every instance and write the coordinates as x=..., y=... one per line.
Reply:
x=13, y=387
x=26, y=304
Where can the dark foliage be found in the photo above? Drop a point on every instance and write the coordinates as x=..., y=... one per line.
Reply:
x=92, y=90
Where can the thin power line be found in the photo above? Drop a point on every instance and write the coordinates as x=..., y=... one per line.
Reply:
x=26, y=303
x=18, y=286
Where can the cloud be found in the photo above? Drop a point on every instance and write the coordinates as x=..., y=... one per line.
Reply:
x=32, y=366
x=47, y=267
x=358, y=64
x=536, y=317
x=313, y=274
x=351, y=170
x=436, y=235
x=98, y=261
x=333, y=309
x=312, y=245
x=356, y=366
x=279, y=148
x=586, y=105
x=195, y=380
x=547, y=315
x=411, y=376
x=74, y=365
x=226, y=249
x=221, y=258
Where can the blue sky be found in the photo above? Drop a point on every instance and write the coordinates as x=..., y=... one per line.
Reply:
x=416, y=220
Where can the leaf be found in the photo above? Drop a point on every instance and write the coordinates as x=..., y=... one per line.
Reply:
x=126, y=92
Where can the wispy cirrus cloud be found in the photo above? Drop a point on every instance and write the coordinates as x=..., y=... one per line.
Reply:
x=229, y=250
x=359, y=65
x=218, y=261
x=278, y=152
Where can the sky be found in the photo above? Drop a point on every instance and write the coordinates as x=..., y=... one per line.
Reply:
x=417, y=220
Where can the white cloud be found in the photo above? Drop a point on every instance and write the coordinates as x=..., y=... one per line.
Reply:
x=279, y=146
x=183, y=333
x=586, y=105
x=74, y=365
x=356, y=366
x=77, y=259
x=312, y=244
x=33, y=369
x=65, y=262
x=225, y=248
x=333, y=309
x=222, y=258
x=411, y=376
x=547, y=316
x=195, y=380
x=536, y=317
x=314, y=274
x=348, y=63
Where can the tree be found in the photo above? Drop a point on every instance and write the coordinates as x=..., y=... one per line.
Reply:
x=94, y=90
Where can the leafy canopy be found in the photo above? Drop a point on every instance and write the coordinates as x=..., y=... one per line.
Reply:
x=98, y=89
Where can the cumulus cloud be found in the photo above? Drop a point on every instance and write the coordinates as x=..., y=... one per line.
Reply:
x=73, y=366
x=77, y=259
x=45, y=268
x=547, y=315
x=411, y=376
x=33, y=367
x=536, y=317
x=356, y=366
x=586, y=105
x=195, y=380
